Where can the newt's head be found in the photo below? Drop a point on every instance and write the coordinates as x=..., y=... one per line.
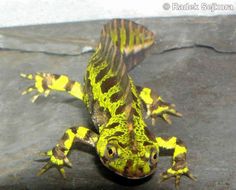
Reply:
x=128, y=157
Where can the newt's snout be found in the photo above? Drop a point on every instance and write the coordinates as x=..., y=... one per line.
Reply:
x=135, y=170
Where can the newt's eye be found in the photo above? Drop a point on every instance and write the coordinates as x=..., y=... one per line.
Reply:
x=111, y=151
x=154, y=157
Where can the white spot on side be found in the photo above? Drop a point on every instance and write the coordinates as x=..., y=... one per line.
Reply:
x=87, y=49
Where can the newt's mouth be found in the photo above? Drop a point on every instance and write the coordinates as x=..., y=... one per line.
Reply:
x=128, y=171
x=134, y=175
x=137, y=174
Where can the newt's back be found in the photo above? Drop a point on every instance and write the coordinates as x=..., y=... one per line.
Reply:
x=109, y=90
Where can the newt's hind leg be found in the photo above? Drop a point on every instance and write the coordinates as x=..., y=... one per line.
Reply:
x=44, y=83
x=156, y=106
x=58, y=155
x=172, y=146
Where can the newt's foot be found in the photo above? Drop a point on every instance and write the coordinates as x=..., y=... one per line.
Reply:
x=162, y=109
x=177, y=174
x=41, y=83
x=57, y=159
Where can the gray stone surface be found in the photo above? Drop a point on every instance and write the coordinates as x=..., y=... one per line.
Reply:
x=193, y=66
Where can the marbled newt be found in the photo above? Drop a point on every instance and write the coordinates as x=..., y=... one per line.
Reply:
x=122, y=140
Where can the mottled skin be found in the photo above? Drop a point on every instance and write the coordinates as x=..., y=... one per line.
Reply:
x=122, y=141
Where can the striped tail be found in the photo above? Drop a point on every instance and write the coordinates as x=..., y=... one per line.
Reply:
x=110, y=59
x=132, y=39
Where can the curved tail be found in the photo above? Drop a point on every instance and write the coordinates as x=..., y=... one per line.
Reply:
x=131, y=39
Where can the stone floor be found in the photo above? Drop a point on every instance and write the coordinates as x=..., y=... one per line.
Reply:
x=193, y=65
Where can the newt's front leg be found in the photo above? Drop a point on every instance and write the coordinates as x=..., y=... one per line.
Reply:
x=172, y=146
x=156, y=106
x=44, y=83
x=58, y=155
